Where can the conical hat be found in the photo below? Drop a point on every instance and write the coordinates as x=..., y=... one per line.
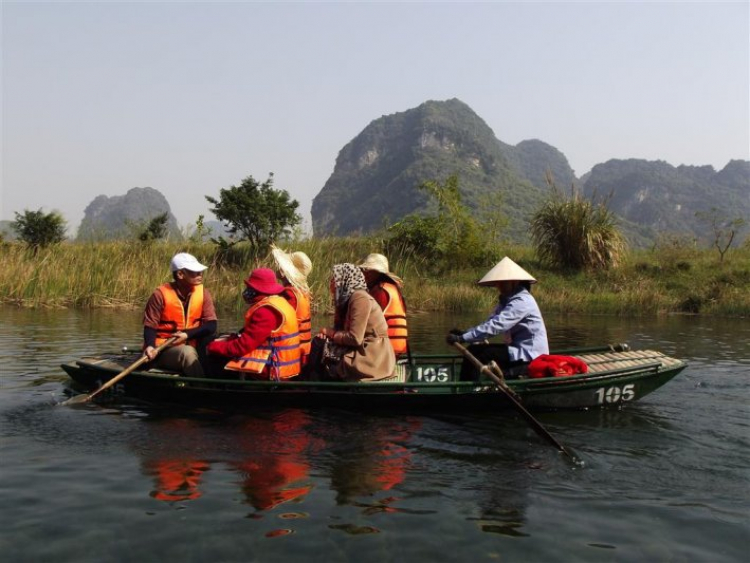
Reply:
x=288, y=270
x=506, y=270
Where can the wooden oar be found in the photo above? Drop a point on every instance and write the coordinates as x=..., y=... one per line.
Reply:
x=79, y=399
x=512, y=397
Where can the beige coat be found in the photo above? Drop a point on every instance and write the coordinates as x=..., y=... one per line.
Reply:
x=366, y=333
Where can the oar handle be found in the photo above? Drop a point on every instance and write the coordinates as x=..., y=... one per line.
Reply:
x=513, y=398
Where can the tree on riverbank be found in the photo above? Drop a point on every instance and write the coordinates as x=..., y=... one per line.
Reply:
x=257, y=212
x=38, y=229
x=452, y=237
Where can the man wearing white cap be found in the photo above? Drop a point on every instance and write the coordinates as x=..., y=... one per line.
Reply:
x=517, y=317
x=181, y=308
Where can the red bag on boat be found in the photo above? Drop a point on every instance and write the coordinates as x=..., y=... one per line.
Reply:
x=556, y=366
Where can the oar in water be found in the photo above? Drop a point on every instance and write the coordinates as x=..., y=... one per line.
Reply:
x=490, y=371
x=80, y=399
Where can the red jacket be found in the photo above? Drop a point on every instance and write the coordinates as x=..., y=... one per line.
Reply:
x=554, y=366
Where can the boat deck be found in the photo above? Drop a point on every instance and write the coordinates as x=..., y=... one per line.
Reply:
x=608, y=361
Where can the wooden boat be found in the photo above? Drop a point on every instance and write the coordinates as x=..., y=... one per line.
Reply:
x=616, y=376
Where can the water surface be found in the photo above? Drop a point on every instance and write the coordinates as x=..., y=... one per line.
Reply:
x=664, y=479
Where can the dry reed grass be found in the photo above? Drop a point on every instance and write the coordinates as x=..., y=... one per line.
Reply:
x=123, y=274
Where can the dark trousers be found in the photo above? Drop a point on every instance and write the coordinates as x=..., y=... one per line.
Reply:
x=485, y=353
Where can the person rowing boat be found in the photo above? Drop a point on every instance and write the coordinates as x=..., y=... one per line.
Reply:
x=516, y=317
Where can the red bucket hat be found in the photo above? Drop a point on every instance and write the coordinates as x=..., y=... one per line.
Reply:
x=263, y=280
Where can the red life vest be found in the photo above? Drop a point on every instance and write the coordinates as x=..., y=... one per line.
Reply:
x=279, y=356
x=556, y=366
x=173, y=318
x=395, y=316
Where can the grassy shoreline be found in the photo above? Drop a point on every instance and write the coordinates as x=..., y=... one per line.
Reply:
x=123, y=274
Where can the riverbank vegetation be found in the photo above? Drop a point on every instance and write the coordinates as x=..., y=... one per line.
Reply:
x=672, y=277
x=579, y=257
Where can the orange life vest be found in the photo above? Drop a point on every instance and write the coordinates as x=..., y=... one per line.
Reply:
x=173, y=318
x=279, y=356
x=395, y=316
x=304, y=320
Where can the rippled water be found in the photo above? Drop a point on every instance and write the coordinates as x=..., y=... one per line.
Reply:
x=665, y=479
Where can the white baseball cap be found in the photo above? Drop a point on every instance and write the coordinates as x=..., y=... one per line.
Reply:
x=185, y=261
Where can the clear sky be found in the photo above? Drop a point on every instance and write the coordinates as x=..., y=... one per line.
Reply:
x=191, y=97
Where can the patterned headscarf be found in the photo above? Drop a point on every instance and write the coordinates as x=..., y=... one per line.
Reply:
x=347, y=278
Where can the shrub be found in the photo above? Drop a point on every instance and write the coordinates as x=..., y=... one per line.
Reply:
x=38, y=229
x=576, y=233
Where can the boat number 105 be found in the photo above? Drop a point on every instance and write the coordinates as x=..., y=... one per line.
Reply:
x=616, y=394
x=430, y=374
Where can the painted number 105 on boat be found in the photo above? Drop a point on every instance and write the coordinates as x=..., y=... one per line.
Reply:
x=615, y=394
x=433, y=374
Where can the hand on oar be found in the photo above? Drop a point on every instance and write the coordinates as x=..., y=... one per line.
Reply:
x=80, y=399
x=495, y=373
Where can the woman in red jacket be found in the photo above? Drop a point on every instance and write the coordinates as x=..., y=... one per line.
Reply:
x=268, y=345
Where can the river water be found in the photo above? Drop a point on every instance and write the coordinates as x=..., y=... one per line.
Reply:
x=664, y=479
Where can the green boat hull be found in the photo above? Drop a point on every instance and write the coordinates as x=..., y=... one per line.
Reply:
x=429, y=382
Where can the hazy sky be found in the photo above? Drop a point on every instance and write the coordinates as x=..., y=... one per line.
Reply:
x=191, y=97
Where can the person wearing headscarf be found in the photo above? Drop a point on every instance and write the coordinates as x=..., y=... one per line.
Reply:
x=361, y=332
x=516, y=317
x=292, y=270
x=267, y=347
x=385, y=287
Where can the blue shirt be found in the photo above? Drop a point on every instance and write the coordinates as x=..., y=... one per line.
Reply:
x=520, y=316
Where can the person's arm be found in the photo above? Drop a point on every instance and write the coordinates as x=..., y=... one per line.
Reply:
x=205, y=329
x=358, y=314
x=508, y=317
x=263, y=321
x=151, y=318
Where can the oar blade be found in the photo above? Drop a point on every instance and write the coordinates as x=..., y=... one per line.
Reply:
x=76, y=400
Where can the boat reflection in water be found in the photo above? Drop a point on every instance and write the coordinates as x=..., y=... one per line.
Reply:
x=176, y=479
x=273, y=456
x=369, y=458
x=278, y=470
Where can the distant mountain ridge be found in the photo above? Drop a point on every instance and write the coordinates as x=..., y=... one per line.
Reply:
x=116, y=217
x=664, y=198
x=376, y=174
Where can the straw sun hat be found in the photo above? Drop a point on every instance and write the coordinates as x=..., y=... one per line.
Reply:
x=294, y=267
x=506, y=270
x=379, y=263
x=302, y=262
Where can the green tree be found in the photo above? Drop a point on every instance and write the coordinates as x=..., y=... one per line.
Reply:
x=575, y=232
x=201, y=230
x=451, y=236
x=156, y=228
x=491, y=215
x=38, y=229
x=256, y=212
x=723, y=229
